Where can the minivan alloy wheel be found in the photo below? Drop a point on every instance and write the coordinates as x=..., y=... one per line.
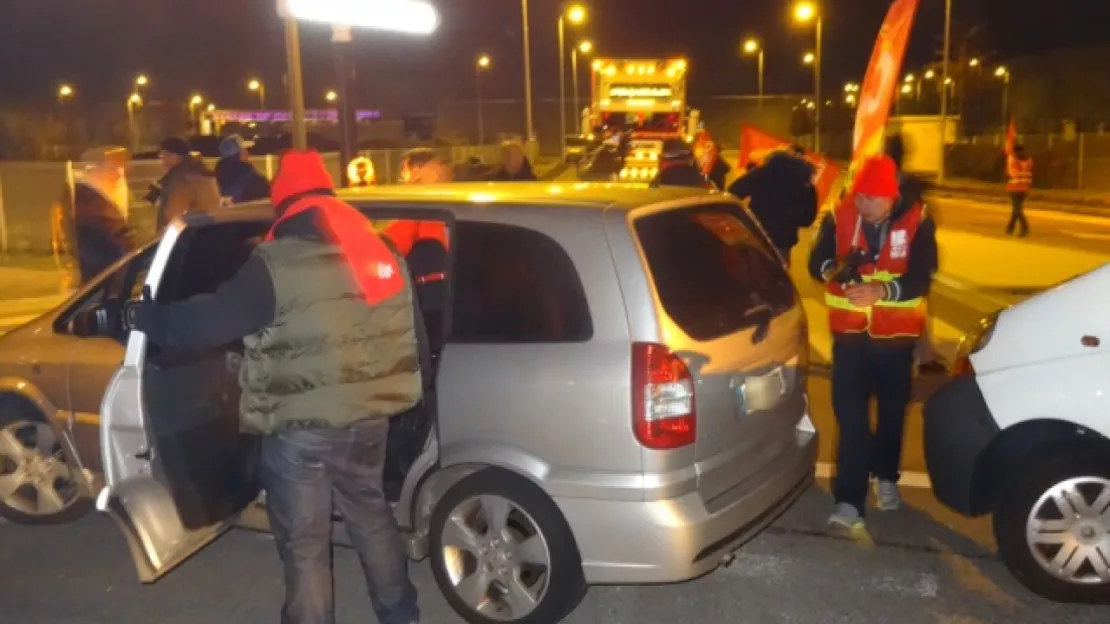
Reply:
x=496, y=557
x=1068, y=530
x=34, y=477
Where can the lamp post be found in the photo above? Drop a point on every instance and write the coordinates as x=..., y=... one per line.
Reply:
x=1004, y=74
x=945, y=81
x=330, y=96
x=752, y=46
x=65, y=92
x=483, y=64
x=141, y=82
x=194, y=107
x=134, y=101
x=805, y=12
x=259, y=88
x=530, y=130
x=413, y=17
x=342, y=42
x=585, y=47
x=575, y=14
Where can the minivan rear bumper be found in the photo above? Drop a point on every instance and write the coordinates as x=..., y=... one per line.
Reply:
x=666, y=541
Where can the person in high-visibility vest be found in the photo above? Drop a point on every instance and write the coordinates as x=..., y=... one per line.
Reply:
x=1019, y=179
x=876, y=253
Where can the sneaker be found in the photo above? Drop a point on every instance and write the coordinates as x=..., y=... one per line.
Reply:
x=887, y=495
x=846, y=516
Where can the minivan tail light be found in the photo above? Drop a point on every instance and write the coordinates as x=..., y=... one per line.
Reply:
x=663, y=411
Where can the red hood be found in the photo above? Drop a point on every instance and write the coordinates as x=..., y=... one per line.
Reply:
x=299, y=173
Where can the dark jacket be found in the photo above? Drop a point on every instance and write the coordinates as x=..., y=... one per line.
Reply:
x=685, y=174
x=923, y=256
x=501, y=174
x=782, y=197
x=93, y=230
x=188, y=187
x=718, y=175
x=239, y=181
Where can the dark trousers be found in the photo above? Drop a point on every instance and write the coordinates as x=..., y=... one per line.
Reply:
x=305, y=472
x=1017, y=214
x=863, y=369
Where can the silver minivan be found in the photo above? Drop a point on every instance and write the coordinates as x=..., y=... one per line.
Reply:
x=619, y=396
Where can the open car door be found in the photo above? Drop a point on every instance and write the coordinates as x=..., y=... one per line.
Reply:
x=177, y=469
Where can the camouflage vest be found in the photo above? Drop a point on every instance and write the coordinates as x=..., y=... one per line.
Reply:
x=328, y=360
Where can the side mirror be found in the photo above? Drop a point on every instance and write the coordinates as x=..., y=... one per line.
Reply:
x=89, y=323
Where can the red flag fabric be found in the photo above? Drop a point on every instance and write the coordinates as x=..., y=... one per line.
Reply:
x=756, y=146
x=706, y=151
x=1011, y=137
x=881, y=80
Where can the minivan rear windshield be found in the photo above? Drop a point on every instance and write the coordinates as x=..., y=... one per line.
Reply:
x=715, y=272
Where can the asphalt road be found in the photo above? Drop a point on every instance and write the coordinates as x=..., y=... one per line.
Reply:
x=923, y=565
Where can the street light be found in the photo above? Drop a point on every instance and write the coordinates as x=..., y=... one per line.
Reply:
x=1003, y=73
x=584, y=47
x=804, y=13
x=751, y=46
x=576, y=15
x=141, y=80
x=331, y=96
x=257, y=86
x=194, y=106
x=211, y=107
x=973, y=63
x=484, y=63
x=930, y=74
x=809, y=58
x=64, y=92
x=134, y=101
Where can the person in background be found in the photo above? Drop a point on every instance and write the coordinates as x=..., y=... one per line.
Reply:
x=782, y=196
x=677, y=166
x=876, y=253
x=714, y=167
x=89, y=224
x=326, y=315
x=1019, y=180
x=515, y=166
x=188, y=185
x=425, y=166
x=237, y=178
x=912, y=189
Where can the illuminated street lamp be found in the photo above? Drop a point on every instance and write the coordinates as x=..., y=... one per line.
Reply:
x=752, y=46
x=907, y=89
x=194, y=107
x=484, y=63
x=930, y=74
x=141, y=81
x=64, y=93
x=1002, y=73
x=211, y=107
x=259, y=88
x=809, y=58
x=576, y=15
x=973, y=63
x=331, y=96
x=134, y=101
x=804, y=13
x=584, y=47
x=402, y=16
x=850, y=99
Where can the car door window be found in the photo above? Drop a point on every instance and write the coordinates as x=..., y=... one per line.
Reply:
x=207, y=257
x=516, y=285
x=127, y=280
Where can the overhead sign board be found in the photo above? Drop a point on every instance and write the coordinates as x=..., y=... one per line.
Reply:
x=402, y=16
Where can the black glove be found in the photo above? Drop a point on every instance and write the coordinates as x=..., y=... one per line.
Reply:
x=847, y=270
x=137, y=314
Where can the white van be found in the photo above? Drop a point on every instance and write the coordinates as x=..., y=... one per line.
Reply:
x=1023, y=432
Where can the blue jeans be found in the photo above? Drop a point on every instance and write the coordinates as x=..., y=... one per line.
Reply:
x=304, y=473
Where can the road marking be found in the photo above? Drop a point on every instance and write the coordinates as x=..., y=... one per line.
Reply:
x=910, y=479
x=1088, y=235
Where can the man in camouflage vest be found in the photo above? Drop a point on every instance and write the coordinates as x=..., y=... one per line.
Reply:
x=325, y=311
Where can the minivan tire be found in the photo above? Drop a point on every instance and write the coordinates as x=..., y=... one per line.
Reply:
x=13, y=413
x=1015, y=504
x=565, y=585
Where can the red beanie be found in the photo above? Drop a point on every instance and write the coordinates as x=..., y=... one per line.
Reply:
x=877, y=177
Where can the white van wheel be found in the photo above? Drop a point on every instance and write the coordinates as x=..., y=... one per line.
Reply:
x=502, y=552
x=1053, y=527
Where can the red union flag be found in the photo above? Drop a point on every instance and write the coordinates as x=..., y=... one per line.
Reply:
x=881, y=79
x=756, y=146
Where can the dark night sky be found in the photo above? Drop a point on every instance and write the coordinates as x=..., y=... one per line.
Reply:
x=213, y=46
